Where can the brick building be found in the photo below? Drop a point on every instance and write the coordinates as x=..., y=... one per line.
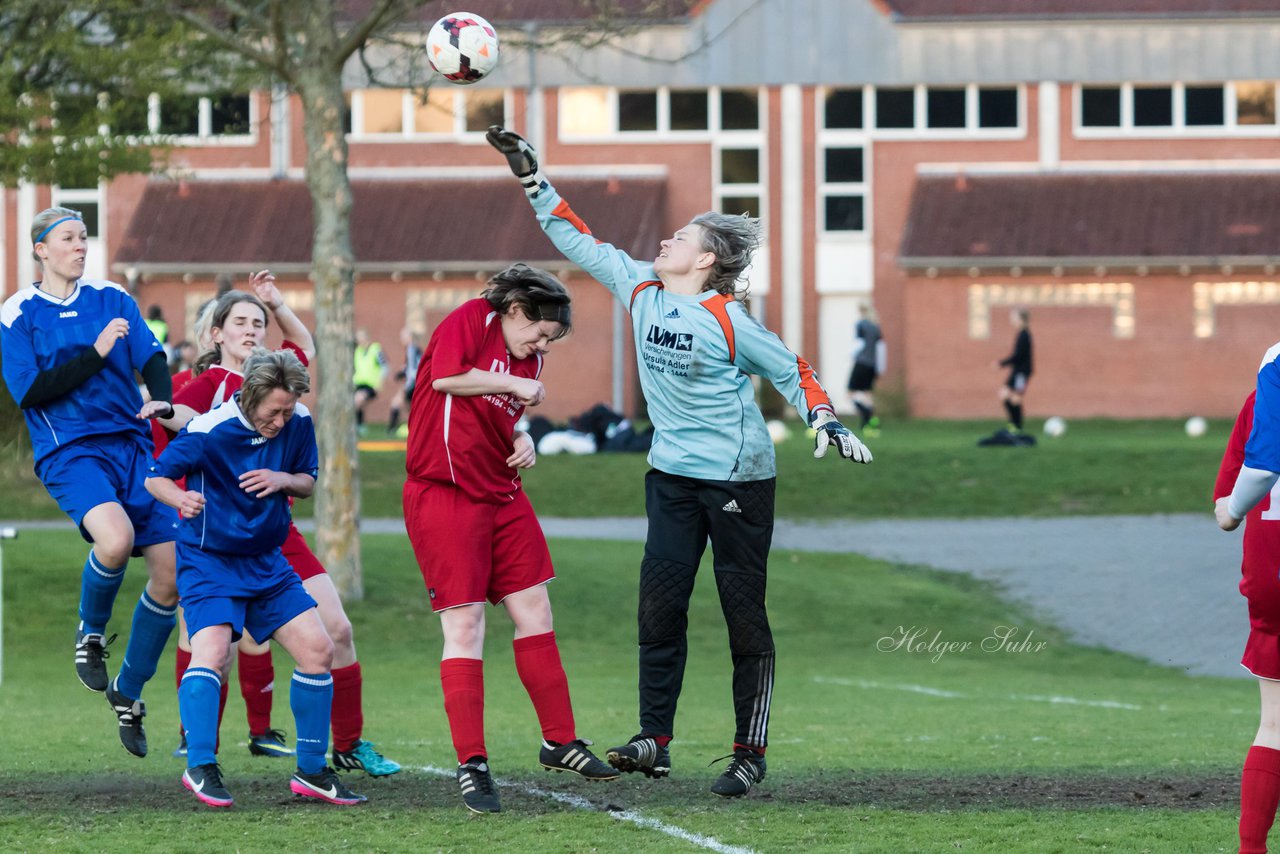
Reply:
x=1113, y=166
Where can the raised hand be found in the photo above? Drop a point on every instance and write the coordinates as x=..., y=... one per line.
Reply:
x=520, y=155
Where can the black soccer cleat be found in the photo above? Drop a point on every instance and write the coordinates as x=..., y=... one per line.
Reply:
x=642, y=753
x=746, y=769
x=91, y=664
x=269, y=743
x=478, y=792
x=130, y=714
x=205, y=782
x=324, y=785
x=575, y=757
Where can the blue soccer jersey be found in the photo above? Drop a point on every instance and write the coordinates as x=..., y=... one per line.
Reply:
x=1262, y=451
x=212, y=452
x=39, y=332
x=696, y=355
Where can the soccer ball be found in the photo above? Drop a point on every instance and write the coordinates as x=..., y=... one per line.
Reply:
x=778, y=431
x=1055, y=426
x=1196, y=426
x=463, y=47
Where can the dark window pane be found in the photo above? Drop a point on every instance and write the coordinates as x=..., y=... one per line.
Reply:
x=946, y=108
x=895, y=108
x=739, y=166
x=739, y=109
x=180, y=115
x=89, y=211
x=1100, y=107
x=749, y=205
x=1205, y=105
x=997, y=108
x=129, y=117
x=1153, y=106
x=485, y=108
x=844, y=166
x=689, y=110
x=637, y=111
x=230, y=115
x=843, y=109
x=844, y=213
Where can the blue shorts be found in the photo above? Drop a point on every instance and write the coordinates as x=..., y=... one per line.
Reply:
x=105, y=470
x=258, y=592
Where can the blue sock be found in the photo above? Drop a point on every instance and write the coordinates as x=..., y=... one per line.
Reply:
x=98, y=587
x=152, y=625
x=311, y=698
x=198, y=708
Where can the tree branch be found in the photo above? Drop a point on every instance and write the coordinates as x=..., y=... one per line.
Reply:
x=361, y=30
x=228, y=40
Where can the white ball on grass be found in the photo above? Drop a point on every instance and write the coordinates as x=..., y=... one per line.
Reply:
x=778, y=431
x=1055, y=426
x=1196, y=426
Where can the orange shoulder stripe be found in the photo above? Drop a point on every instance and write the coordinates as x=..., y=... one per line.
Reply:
x=719, y=308
x=813, y=393
x=566, y=213
x=654, y=283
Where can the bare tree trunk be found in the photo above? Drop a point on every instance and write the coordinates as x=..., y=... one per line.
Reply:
x=333, y=268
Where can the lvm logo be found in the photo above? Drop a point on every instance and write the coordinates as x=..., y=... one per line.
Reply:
x=671, y=340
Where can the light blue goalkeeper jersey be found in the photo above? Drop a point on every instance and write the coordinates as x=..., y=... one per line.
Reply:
x=696, y=355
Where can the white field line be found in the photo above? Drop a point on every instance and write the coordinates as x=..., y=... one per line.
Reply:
x=938, y=692
x=581, y=803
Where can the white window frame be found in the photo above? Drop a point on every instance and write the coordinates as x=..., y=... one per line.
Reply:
x=921, y=130
x=408, y=106
x=1179, y=128
x=204, y=123
x=664, y=133
x=825, y=138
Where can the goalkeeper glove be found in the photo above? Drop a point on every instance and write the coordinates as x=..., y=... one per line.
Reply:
x=832, y=432
x=521, y=157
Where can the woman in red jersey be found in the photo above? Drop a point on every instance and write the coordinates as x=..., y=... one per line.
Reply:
x=473, y=529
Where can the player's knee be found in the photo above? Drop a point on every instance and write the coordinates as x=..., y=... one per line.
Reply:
x=113, y=547
x=317, y=655
x=339, y=629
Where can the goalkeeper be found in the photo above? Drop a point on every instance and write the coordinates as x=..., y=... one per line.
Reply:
x=713, y=470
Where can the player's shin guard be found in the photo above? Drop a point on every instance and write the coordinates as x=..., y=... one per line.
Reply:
x=310, y=698
x=152, y=625
x=751, y=642
x=198, y=707
x=1259, y=795
x=665, y=588
x=257, y=681
x=348, y=707
x=98, y=587
x=462, y=680
x=542, y=674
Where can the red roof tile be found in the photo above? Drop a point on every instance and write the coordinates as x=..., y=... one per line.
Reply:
x=999, y=220
x=927, y=10
x=197, y=226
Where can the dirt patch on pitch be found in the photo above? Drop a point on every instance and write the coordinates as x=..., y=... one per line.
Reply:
x=52, y=794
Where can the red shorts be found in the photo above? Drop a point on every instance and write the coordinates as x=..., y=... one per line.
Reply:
x=299, y=554
x=469, y=552
x=1262, y=650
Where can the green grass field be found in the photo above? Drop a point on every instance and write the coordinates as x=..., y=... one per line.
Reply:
x=874, y=748
x=922, y=469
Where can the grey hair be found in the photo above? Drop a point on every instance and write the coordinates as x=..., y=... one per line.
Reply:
x=46, y=218
x=265, y=371
x=733, y=239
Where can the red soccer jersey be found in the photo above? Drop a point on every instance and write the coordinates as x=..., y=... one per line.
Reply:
x=465, y=441
x=1261, y=532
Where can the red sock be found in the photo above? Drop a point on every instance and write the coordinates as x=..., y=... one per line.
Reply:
x=347, y=717
x=1259, y=794
x=753, y=748
x=257, y=681
x=222, y=707
x=463, y=682
x=181, y=662
x=663, y=740
x=538, y=663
